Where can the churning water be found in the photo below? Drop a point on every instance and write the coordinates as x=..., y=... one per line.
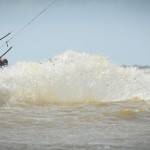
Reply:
x=74, y=101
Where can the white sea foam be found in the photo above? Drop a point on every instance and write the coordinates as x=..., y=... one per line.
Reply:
x=72, y=77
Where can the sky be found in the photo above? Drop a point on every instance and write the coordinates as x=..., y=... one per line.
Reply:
x=117, y=29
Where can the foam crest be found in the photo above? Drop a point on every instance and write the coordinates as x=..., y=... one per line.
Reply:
x=72, y=77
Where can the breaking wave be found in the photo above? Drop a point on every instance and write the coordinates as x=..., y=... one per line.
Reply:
x=72, y=77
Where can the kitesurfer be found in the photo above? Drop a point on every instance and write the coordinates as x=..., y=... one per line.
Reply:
x=3, y=62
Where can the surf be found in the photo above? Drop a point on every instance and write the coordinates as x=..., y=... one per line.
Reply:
x=71, y=78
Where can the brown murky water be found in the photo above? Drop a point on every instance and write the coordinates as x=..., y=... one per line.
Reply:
x=122, y=126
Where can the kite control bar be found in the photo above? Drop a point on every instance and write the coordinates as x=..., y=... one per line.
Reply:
x=5, y=36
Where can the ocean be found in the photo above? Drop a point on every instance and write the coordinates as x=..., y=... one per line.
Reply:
x=74, y=101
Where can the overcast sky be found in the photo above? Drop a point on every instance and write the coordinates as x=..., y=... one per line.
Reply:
x=117, y=29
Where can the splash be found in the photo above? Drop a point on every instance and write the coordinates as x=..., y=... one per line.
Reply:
x=72, y=77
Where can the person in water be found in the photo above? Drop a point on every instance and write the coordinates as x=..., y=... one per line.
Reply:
x=3, y=62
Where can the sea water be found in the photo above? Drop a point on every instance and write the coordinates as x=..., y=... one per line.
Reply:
x=74, y=101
